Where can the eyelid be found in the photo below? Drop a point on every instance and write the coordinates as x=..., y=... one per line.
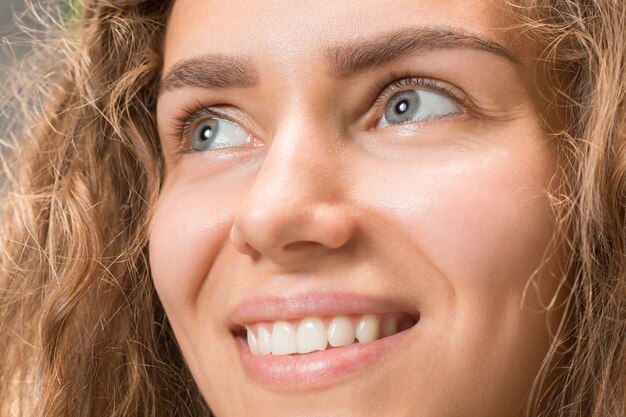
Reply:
x=189, y=115
x=427, y=83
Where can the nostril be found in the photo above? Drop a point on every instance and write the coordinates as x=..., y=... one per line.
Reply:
x=241, y=245
x=303, y=244
x=251, y=251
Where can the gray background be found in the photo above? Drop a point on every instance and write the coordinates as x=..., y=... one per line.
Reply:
x=9, y=32
x=6, y=10
x=12, y=45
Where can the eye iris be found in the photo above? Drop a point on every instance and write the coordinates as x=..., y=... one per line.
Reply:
x=205, y=134
x=402, y=107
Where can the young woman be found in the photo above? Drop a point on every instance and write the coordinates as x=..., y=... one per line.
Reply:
x=354, y=208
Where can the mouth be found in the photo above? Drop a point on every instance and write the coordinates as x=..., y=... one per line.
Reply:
x=300, y=337
x=317, y=339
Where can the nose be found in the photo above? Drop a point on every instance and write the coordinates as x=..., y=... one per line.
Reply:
x=296, y=209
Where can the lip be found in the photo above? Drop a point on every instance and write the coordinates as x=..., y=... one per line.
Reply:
x=319, y=368
x=317, y=304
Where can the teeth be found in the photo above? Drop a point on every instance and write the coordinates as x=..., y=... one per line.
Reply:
x=390, y=327
x=368, y=329
x=265, y=348
x=340, y=332
x=252, y=343
x=283, y=339
x=315, y=334
x=311, y=335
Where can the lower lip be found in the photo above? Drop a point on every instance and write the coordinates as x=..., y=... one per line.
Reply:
x=317, y=368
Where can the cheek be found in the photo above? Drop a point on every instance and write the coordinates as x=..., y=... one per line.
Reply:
x=486, y=231
x=481, y=222
x=488, y=224
x=190, y=225
x=477, y=219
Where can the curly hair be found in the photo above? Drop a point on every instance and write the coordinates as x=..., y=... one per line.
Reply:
x=84, y=332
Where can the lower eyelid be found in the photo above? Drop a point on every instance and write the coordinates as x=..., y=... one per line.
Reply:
x=420, y=121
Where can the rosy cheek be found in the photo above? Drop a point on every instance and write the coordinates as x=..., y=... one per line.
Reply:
x=484, y=232
x=481, y=219
x=189, y=227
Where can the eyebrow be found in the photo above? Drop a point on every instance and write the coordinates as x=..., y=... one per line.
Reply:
x=350, y=59
x=218, y=71
x=211, y=71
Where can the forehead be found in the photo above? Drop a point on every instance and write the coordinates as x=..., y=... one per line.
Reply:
x=287, y=31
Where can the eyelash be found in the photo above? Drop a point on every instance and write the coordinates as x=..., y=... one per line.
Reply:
x=395, y=82
x=184, y=121
x=389, y=87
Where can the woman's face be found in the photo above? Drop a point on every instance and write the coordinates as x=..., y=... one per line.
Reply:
x=354, y=168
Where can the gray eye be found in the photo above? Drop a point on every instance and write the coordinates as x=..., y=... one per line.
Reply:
x=402, y=107
x=204, y=134
x=216, y=133
x=417, y=105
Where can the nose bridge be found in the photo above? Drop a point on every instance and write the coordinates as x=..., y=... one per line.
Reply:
x=296, y=177
x=300, y=164
x=296, y=197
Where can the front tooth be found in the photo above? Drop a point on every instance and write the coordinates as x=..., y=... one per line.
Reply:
x=367, y=329
x=340, y=331
x=252, y=343
x=283, y=339
x=389, y=328
x=311, y=335
x=264, y=342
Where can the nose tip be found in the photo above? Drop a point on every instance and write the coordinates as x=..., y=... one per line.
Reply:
x=290, y=233
x=298, y=207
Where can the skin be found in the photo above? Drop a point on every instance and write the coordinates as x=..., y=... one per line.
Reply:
x=448, y=215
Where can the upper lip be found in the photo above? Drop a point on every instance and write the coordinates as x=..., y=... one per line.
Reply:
x=272, y=308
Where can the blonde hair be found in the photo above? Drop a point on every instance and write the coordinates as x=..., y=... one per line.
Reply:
x=84, y=332
x=585, y=46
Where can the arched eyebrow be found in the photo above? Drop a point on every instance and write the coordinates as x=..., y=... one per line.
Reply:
x=217, y=71
x=359, y=56
x=211, y=71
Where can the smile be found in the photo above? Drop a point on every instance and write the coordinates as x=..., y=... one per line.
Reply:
x=316, y=339
x=285, y=337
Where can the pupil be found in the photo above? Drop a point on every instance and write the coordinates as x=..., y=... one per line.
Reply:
x=207, y=132
x=402, y=106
